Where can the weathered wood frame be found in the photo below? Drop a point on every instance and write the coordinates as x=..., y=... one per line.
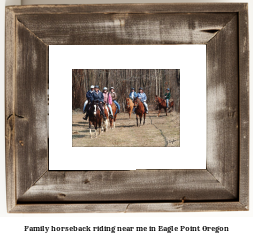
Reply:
x=222, y=186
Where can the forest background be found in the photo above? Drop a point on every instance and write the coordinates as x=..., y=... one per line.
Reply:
x=153, y=81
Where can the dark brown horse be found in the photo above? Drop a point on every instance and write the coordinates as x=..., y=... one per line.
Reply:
x=95, y=117
x=129, y=106
x=139, y=110
x=162, y=104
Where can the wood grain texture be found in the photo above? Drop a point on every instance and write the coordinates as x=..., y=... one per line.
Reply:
x=223, y=186
x=9, y=109
x=222, y=107
x=155, y=8
x=133, y=29
x=244, y=106
x=140, y=185
x=129, y=207
x=30, y=108
x=186, y=207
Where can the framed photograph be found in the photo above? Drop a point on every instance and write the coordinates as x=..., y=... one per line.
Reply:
x=190, y=60
x=147, y=71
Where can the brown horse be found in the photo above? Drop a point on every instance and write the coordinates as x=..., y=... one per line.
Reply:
x=139, y=110
x=112, y=120
x=129, y=106
x=105, y=122
x=95, y=117
x=162, y=104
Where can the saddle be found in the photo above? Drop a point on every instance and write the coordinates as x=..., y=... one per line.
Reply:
x=89, y=107
x=97, y=104
x=104, y=106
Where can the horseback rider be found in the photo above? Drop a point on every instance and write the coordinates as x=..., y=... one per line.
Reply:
x=132, y=94
x=167, y=97
x=98, y=97
x=142, y=96
x=88, y=100
x=108, y=100
x=114, y=97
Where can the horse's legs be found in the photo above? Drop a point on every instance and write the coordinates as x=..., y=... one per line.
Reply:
x=144, y=119
x=159, y=111
x=102, y=126
x=137, y=119
x=114, y=118
x=99, y=127
x=140, y=119
x=166, y=110
x=110, y=123
x=90, y=128
x=106, y=125
x=96, y=126
x=96, y=131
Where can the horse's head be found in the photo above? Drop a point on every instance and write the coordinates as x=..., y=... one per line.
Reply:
x=93, y=108
x=127, y=103
x=136, y=101
x=156, y=99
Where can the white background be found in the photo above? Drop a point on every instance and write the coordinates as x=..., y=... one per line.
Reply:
x=192, y=151
x=12, y=224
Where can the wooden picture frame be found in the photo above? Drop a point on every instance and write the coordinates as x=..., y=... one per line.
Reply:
x=223, y=186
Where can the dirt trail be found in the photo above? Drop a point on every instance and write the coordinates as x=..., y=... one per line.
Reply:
x=163, y=131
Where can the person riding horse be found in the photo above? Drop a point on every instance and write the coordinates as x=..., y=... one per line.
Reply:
x=88, y=100
x=114, y=97
x=108, y=100
x=142, y=96
x=167, y=97
x=132, y=96
x=98, y=98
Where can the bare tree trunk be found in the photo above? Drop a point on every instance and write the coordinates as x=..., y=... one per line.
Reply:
x=154, y=82
x=107, y=77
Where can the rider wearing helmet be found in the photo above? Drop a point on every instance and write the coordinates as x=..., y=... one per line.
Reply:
x=142, y=96
x=98, y=96
x=132, y=94
x=88, y=100
x=114, y=97
x=108, y=100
